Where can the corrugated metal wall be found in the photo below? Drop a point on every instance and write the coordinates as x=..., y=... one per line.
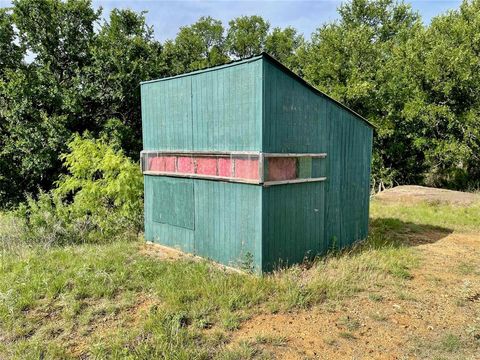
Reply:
x=297, y=119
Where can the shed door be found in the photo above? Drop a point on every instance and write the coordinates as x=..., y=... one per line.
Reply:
x=174, y=203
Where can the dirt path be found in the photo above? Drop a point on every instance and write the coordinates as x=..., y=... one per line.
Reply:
x=414, y=193
x=436, y=314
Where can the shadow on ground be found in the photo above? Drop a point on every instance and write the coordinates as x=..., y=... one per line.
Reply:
x=391, y=231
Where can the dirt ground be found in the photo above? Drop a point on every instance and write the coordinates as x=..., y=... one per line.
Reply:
x=414, y=193
x=431, y=316
x=410, y=321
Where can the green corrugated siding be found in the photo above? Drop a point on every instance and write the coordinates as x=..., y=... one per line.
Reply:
x=228, y=221
x=227, y=108
x=294, y=115
x=227, y=224
x=164, y=233
x=348, y=177
x=178, y=193
x=167, y=114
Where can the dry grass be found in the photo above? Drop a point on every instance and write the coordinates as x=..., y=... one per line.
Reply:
x=114, y=301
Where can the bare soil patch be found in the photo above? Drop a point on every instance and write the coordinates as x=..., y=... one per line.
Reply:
x=163, y=252
x=433, y=315
x=414, y=193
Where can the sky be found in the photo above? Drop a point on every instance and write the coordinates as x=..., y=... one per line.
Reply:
x=167, y=17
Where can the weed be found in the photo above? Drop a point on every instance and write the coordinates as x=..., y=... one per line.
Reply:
x=350, y=323
x=247, y=264
x=405, y=295
x=346, y=335
x=451, y=343
x=331, y=341
x=439, y=217
x=465, y=268
x=53, y=298
x=268, y=339
x=378, y=316
x=242, y=351
x=375, y=297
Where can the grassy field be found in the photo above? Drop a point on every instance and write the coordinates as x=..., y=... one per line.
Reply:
x=119, y=301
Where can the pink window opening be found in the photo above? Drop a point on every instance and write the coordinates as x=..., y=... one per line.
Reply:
x=246, y=169
x=206, y=166
x=225, y=167
x=282, y=168
x=185, y=165
x=162, y=163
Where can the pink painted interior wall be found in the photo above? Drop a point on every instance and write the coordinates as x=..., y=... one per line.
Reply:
x=211, y=166
x=170, y=163
x=225, y=167
x=162, y=163
x=246, y=168
x=185, y=165
x=156, y=164
x=282, y=169
x=206, y=165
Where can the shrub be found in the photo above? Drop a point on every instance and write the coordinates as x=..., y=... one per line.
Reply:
x=99, y=199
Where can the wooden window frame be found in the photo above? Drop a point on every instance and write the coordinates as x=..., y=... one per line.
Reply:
x=232, y=155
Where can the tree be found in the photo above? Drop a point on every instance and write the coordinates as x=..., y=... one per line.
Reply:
x=347, y=60
x=283, y=45
x=58, y=33
x=197, y=46
x=124, y=54
x=39, y=104
x=246, y=36
x=11, y=54
x=447, y=98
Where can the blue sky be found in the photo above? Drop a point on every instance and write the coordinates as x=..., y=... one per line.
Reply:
x=167, y=16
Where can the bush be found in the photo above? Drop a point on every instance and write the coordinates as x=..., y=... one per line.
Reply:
x=99, y=199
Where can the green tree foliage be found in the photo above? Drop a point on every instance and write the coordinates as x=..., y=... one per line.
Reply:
x=124, y=54
x=58, y=33
x=419, y=84
x=197, y=46
x=246, y=36
x=78, y=80
x=283, y=45
x=40, y=108
x=98, y=199
x=446, y=100
x=11, y=54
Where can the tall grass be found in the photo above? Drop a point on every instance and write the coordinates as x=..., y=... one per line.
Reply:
x=112, y=300
x=53, y=301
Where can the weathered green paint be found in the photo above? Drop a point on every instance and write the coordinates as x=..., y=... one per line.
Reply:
x=227, y=217
x=217, y=109
x=179, y=194
x=255, y=105
x=293, y=223
x=299, y=120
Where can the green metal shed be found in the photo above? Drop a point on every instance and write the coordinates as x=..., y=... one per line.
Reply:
x=247, y=164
